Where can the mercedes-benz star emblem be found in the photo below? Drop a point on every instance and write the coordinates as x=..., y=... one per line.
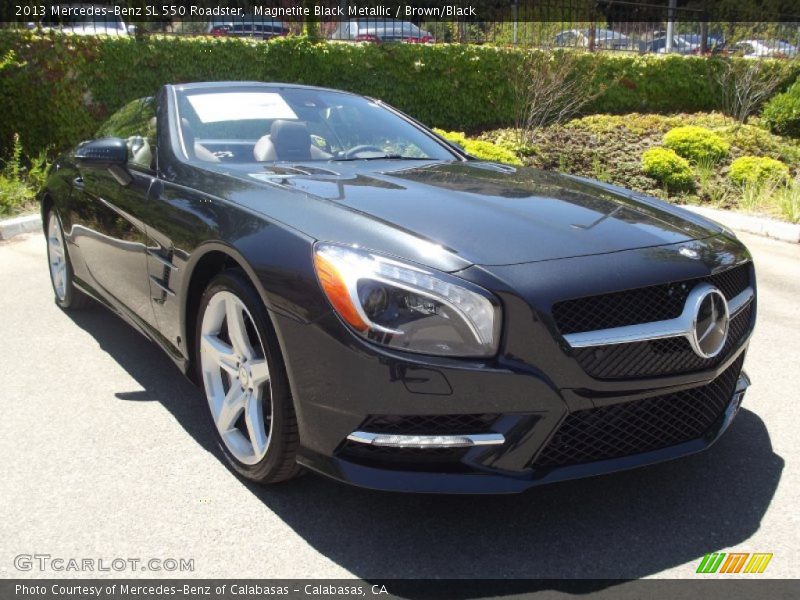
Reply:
x=710, y=324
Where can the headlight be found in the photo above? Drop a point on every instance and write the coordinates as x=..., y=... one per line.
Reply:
x=407, y=307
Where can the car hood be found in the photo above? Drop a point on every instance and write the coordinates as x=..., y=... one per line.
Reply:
x=492, y=214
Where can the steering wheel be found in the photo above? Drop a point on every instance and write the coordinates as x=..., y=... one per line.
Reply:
x=362, y=148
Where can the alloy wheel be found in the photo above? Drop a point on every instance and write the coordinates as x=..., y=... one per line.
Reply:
x=236, y=377
x=57, y=257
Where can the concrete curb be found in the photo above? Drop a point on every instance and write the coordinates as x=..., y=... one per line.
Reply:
x=779, y=230
x=25, y=224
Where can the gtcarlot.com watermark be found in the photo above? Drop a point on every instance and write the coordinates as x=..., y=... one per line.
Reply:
x=47, y=563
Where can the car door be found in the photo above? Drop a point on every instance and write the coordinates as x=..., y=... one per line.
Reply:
x=109, y=215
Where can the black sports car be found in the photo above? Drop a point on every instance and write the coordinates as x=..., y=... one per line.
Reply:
x=358, y=296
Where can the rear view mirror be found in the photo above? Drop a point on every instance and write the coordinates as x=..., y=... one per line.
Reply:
x=105, y=153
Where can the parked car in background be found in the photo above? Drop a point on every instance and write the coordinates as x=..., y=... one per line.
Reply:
x=604, y=39
x=260, y=29
x=83, y=25
x=386, y=30
x=764, y=49
x=685, y=44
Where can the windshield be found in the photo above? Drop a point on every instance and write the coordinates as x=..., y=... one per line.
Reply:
x=607, y=34
x=786, y=47
x=397, y=27
x=272, y=124
x=408, y=29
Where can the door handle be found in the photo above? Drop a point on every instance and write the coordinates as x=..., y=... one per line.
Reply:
x=78, y=183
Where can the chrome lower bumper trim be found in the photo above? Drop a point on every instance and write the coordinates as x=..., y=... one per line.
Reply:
x=426, y=441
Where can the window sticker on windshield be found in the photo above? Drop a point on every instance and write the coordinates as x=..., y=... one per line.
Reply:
x=213, y=108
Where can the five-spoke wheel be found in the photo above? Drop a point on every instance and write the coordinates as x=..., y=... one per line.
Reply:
x=236, y=377
x=67, y=295
x=244, y=380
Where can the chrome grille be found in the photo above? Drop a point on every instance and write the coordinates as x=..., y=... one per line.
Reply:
x=656, y=358
x=642, y=305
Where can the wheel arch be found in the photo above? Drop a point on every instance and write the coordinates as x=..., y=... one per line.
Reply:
x=206, y=262
x=47, y=203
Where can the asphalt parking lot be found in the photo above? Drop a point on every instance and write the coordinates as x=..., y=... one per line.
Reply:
x=105, y=452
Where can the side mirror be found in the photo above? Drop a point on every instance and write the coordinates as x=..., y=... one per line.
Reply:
x=105, y=153
x=102, y=153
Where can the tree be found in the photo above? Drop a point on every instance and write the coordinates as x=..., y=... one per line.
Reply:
x=745, y=85
x=550, y=88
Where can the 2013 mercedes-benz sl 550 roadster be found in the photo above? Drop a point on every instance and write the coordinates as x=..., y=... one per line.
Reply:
x=357, y=296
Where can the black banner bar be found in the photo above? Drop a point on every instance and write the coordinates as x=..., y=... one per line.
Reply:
x=733, y=588
x=24, y=11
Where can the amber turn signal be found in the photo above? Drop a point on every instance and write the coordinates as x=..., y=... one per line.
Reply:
x=336, y=290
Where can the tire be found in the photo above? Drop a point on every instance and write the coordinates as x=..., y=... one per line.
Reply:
x=67, y=296
x=236, y=381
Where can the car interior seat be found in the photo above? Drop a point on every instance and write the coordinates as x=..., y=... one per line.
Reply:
x=139, y=151
x=287, y=140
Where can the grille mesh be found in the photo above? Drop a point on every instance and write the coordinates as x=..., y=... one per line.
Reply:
x=658, y=357
x=641, y=425
x=643, y=305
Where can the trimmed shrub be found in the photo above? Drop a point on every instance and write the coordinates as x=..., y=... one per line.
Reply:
x=697, y=144
x=756, y=170
x=782, y=113
x=615, y=143
x=481, y=148
x=664, y=165
x=489, y=151
x=457, y=137
x=56, y=89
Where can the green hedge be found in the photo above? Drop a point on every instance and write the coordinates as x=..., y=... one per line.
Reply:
x=782, y=112
x=56, y=89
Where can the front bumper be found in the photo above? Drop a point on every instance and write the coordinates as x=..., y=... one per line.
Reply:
x=341, y=383
x=563, y=412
